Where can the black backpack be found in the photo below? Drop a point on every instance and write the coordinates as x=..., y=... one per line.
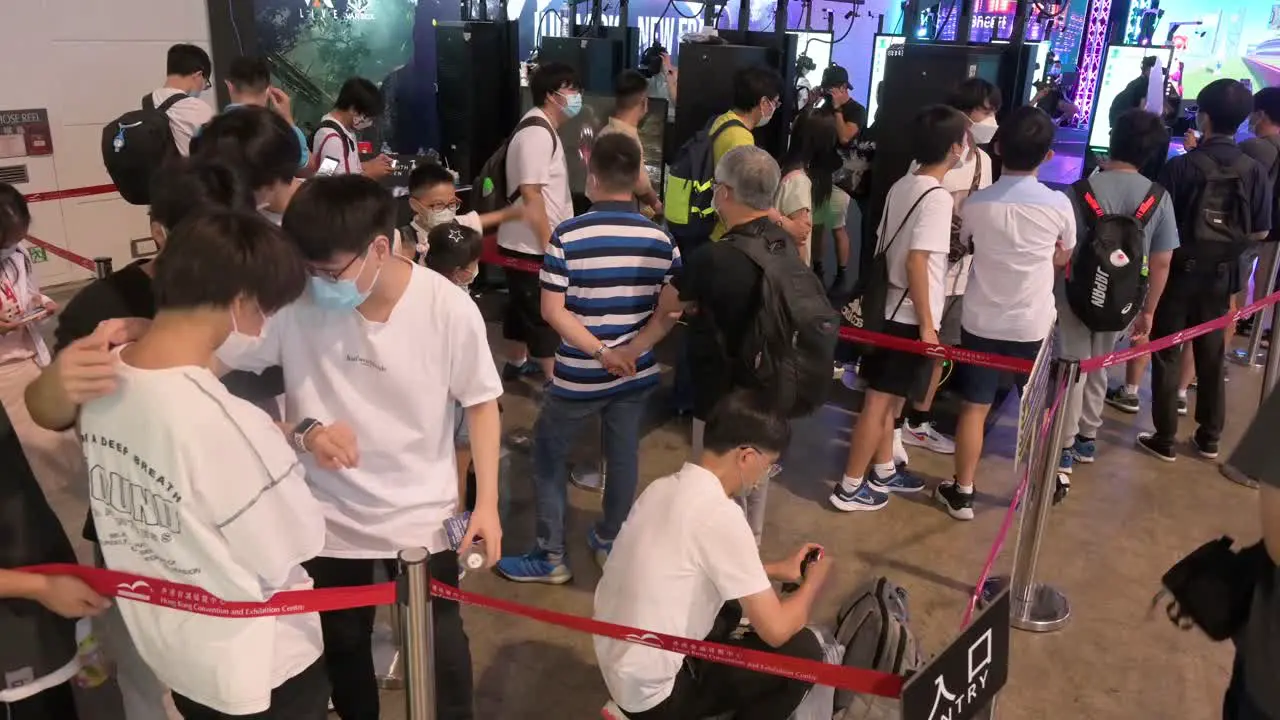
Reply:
x=136, y=144
x=686, y=204
x=490, y=191
x=1219, y=224
x=790, y=347
x=1108, y=280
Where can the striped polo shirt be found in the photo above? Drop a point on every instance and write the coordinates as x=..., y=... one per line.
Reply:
x=611, y=264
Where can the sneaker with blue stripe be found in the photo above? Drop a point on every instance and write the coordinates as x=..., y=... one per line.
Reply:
x=1084, y=450
x=600, y=548
x=1065, y=461
x=900, y=482
x=864, y=498
x=536, y=567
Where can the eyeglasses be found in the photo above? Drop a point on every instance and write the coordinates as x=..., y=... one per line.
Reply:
x=774, y=471
x=336, y=275
x=440, y=207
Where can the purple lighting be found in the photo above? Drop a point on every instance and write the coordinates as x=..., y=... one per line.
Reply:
x=1090, y=65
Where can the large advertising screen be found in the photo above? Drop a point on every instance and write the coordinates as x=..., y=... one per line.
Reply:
x=1121, y=66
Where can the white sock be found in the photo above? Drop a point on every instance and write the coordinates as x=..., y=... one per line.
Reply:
x=520, y=361
x=1131, y=389
x=964, y=489
x=850, y=484
x=884, y=471
x=897, y=435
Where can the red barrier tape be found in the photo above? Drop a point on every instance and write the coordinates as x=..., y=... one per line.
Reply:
x=947, y=352
x=65, y=254
x=70, y=193
x=491, y=255
x=187, y=598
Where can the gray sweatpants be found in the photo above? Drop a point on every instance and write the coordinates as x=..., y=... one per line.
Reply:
x=1088, y=394
x=754, y=502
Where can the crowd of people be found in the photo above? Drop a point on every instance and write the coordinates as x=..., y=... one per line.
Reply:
x=241, y=399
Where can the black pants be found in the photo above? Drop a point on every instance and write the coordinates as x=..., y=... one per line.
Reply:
x=704, y=689
x=1192, y=296
x=57, y=702
x=1237, y=705
x=304, y=696
x=348, y=635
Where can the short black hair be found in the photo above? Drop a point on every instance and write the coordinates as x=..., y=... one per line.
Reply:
x=1267, y=102
x=548, y=79
x=249, y=74
x=853, y=112
x=216, y=256
x=342, y=213
x=630, y=90
x=181, y=189
x=1137, y=137
x=186, y=59
x=15, y=216
x=253, y=139
x=1148, y=62
x=1226, y=103
x=428, y=175
x=750, y=84
x=615, y=162
x=934, y=131
x=1025, y=138
x=361, y=96
x=744, y=418
x=975, y=94
x=452, y=247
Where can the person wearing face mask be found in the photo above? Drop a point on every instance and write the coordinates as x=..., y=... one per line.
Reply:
x=433, y=198
x=685, y=565
x=756, y=92
x=188, y=70
x=602, y=306
x=359, y=103
x=380, y=455
x=229, y=510
x=914, y=237
x=1264, y=146
x=249, y=85
x=631, y=98
x=979, y=100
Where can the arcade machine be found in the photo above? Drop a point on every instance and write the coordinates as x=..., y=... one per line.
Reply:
x=1121, y=65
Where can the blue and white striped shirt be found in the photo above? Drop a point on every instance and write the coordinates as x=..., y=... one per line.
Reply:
x=611, y=264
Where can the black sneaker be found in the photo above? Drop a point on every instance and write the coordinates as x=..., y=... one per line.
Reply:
x=1148, y=441
x=958, y=505
x=1207, y=449
x=1182, y=407
x=1123, y=401
x=512, y=372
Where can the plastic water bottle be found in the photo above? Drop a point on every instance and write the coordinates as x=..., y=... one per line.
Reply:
x=474, y=558
x=95, y=668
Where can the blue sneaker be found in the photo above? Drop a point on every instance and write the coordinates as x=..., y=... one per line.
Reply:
x=865, y=498
x=600, y=548
x=535, y=567
x=528, y=368
x=1084, y=450
x=1065, y=462
x=900, y=482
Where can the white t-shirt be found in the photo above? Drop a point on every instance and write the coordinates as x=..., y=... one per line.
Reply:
x=418, y=241
x=395, y=384
x=186, y=117
x=958, y=181
x=928, y=228
x=795, y=193
x=685, y=550
x=190, y=484
x=533, y=158
x=343, y=147
x=1016, y=224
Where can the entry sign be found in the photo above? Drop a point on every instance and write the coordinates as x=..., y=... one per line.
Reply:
x=965, y=677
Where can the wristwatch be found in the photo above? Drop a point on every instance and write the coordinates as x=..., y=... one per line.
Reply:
x=599, y=353
x=298, y=437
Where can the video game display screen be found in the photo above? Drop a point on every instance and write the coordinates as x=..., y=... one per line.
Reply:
x=1121, y=66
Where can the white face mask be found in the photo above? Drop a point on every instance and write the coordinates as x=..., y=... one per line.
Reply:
x=985, y=131
x=360, y=122
x=764, y=119
x=238, y=344
x=432, y=218
x=466, y=282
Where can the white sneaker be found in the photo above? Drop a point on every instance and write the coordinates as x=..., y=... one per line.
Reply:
x=923, y=435
x=899, y=450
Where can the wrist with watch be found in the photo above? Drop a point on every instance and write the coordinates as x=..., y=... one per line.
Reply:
x=298, y=436
x=600, y=351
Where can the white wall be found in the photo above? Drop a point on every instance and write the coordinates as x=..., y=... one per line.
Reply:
x=87, y=61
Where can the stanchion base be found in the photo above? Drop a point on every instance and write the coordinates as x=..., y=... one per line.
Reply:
x=1047, y=611
x=587, y=479
x=386, y=658
x=1236, y=476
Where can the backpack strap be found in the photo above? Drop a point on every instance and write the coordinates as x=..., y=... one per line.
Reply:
x=526, y=123
x=1092, y=211
x=170, y=102
x=1147, y=208
x=147, y=103
x=977, y=172
x=1203, y=162
x=731, y=122
x=340, y=132
x=911, y=211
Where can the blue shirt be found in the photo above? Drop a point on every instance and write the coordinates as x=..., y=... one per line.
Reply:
x=611, y=263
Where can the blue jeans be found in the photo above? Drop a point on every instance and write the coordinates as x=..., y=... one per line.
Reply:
x=559, y=424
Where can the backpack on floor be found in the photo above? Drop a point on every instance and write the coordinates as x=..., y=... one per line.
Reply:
x=873, y=627
x=1220, y=222
x=490, y=191
x=1107, y=284
x=687, y=201
x=790, y=347
x=136, y=144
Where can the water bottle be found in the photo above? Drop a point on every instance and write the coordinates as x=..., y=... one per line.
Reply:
x=95, y=668
x=474, y=558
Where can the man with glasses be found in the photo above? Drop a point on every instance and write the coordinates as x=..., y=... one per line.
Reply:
x=684, y=565
x=756, y=97
x=187, y=72
x=375, y=358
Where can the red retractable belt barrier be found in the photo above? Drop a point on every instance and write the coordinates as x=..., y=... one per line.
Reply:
x=491, y=255
x=74, y=258
x=187, y=598
x=70, y=193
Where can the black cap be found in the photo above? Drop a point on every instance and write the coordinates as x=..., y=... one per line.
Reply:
x=835, y=76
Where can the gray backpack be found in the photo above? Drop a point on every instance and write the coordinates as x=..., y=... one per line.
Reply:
x=872, y=625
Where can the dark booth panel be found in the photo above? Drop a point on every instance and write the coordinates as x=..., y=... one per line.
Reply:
x=479, y=90
x=597, y=60
x=705, y=89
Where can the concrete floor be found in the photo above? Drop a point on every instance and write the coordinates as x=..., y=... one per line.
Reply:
x=1128, y=518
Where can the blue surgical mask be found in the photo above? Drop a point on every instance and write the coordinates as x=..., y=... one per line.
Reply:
x=572, y=104
x=340, y=295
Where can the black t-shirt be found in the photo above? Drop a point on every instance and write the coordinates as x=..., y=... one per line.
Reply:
x=1267, y=152
x=1129, y=98
x=724, y=284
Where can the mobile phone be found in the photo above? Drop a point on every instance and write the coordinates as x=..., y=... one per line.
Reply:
x=810, y=558
x=33, y=314
x=327, y=166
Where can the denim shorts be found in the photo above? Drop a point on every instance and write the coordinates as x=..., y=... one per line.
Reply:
x=979, y=385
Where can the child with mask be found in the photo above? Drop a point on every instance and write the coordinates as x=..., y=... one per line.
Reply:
x=434, y=202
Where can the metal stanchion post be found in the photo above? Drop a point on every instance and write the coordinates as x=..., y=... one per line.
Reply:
x=1038, y=607
x=1267, y=270
x=387, y=658
x=102, y=267
x=592, y=479
x=416, y=635
x=1269, y=377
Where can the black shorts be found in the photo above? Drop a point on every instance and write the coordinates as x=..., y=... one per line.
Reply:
x=523, y=319
x=897, y=372
x=978, y=384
